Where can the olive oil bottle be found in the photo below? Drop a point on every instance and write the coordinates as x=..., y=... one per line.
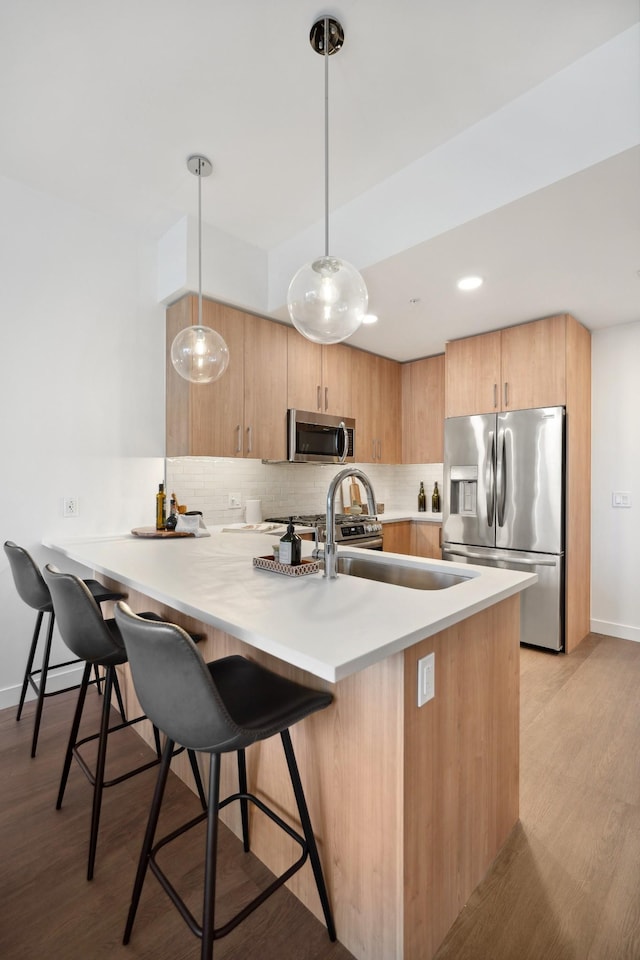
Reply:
x=161, y=508
x=422, y=498
x=435, y=499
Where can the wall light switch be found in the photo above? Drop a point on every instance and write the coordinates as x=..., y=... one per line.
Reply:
x=620, y=499
x=426, y=679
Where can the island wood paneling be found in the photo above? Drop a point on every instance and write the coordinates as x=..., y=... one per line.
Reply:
x=461, y=761
x=409, y=806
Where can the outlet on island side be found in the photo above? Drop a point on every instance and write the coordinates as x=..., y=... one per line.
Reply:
x=426, y=679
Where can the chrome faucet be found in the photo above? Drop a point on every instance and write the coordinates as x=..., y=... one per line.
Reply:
x=330, y=544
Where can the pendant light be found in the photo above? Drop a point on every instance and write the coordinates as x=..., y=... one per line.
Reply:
x=199, y=354
x=327, y=298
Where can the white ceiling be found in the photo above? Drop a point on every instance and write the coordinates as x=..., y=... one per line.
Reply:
x=100, y=104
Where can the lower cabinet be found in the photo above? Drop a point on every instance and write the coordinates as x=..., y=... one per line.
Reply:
x=414, y=538
x=426, y=540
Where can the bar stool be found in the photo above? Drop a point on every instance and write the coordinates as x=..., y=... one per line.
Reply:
x=35, y=593
x=98, y=642
x=215, y=708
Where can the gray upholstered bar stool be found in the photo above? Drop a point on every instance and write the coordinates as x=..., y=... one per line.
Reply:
x=98, y=642
x=216, y=708
x=34, y=592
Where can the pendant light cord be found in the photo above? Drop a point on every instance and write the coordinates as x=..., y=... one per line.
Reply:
x=326, y=136
x=200, y=245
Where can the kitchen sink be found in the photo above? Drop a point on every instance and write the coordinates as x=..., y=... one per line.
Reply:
x=416, y=577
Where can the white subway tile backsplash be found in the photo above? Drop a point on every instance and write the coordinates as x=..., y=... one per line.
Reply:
x=204, y=483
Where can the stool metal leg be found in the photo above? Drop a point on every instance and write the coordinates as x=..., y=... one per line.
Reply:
x=193, y=760
x=42, y=685
x=100, y=766
x=244, y=804
x=209, y=906
x=305, y=820
x=73, y=736
x=147, y=844
x=29, y=668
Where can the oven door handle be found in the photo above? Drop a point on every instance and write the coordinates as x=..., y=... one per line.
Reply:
x=373, y=543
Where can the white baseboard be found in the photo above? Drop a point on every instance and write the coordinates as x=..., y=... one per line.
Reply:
x=56, y=680
x=619, y=630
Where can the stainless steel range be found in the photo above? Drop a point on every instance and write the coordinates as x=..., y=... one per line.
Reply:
x=359, y=531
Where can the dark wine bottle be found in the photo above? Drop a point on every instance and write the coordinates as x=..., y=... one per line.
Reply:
x=290, y=546
x=161, y=501
x=422, y=499
x=435, y=499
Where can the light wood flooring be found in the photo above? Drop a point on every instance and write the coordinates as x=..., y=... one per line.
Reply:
x=565, y=887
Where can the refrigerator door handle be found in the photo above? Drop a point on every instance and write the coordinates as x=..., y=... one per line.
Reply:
x=490, y=480
x=501, y=483
x=525, y=562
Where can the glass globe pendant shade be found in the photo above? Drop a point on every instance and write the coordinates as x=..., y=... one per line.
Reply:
x=199, y=354
x=327, y=300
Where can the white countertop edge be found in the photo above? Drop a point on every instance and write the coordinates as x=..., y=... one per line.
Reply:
x=396, y=516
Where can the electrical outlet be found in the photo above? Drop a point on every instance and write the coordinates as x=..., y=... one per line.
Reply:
x=235, y=501
x=426, y=678
x=70, y=507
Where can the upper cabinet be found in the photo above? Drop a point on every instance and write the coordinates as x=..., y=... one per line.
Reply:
x=319, y=376
x=423, y=410
x=376, y=396
x=512, y=369
x=244, y=413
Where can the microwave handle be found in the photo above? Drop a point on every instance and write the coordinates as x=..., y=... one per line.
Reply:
x=345, y=435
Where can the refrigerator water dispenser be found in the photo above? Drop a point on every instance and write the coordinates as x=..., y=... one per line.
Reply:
x=464, y=491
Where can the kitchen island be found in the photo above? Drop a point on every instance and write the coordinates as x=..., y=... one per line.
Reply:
x=410, y=805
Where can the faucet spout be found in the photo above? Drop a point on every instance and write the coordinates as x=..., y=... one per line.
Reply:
x=330, y=544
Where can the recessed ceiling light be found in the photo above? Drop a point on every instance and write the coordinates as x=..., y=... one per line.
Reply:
x=470, y=283
x=370, y=318
x=414, y=300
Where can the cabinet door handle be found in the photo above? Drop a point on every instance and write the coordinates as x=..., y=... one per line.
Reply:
x=318, y=400
x=249, y=439
x=495, y=395
x=239, y=440
x=326, y=399
x=506, y=394
x=373, y=449
x=379, y=449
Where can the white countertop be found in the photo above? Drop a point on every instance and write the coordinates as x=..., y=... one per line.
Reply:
x=394, y=516
x=331, y=628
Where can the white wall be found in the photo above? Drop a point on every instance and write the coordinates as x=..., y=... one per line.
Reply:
x=81, y=388
x=615, y=533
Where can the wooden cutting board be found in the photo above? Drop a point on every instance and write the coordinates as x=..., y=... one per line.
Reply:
x=153, y=534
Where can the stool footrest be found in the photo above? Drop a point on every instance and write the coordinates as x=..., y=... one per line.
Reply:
x=231, y=924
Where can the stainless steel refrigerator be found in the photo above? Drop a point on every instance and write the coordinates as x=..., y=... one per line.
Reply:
x=504, y=506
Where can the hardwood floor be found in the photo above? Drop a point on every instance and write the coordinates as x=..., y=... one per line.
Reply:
x=565, y=887
x=47, y=907
x=567, y=884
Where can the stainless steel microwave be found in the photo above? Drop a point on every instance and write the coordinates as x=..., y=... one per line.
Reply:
x=318, y=437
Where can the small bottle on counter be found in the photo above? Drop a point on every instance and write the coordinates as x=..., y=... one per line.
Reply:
x=422, y=499
x=172, y=519
x=435, y=499
x=290, y=546
x=161, y=508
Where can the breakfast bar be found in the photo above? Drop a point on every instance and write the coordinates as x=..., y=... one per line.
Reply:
x=410, y=804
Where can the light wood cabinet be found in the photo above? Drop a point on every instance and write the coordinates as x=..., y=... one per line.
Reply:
x=376, y=395
x=397, y=536
x=512, y=369
x=426, y=540
x=244, y=413
x=423, y=410
x=318, y=376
